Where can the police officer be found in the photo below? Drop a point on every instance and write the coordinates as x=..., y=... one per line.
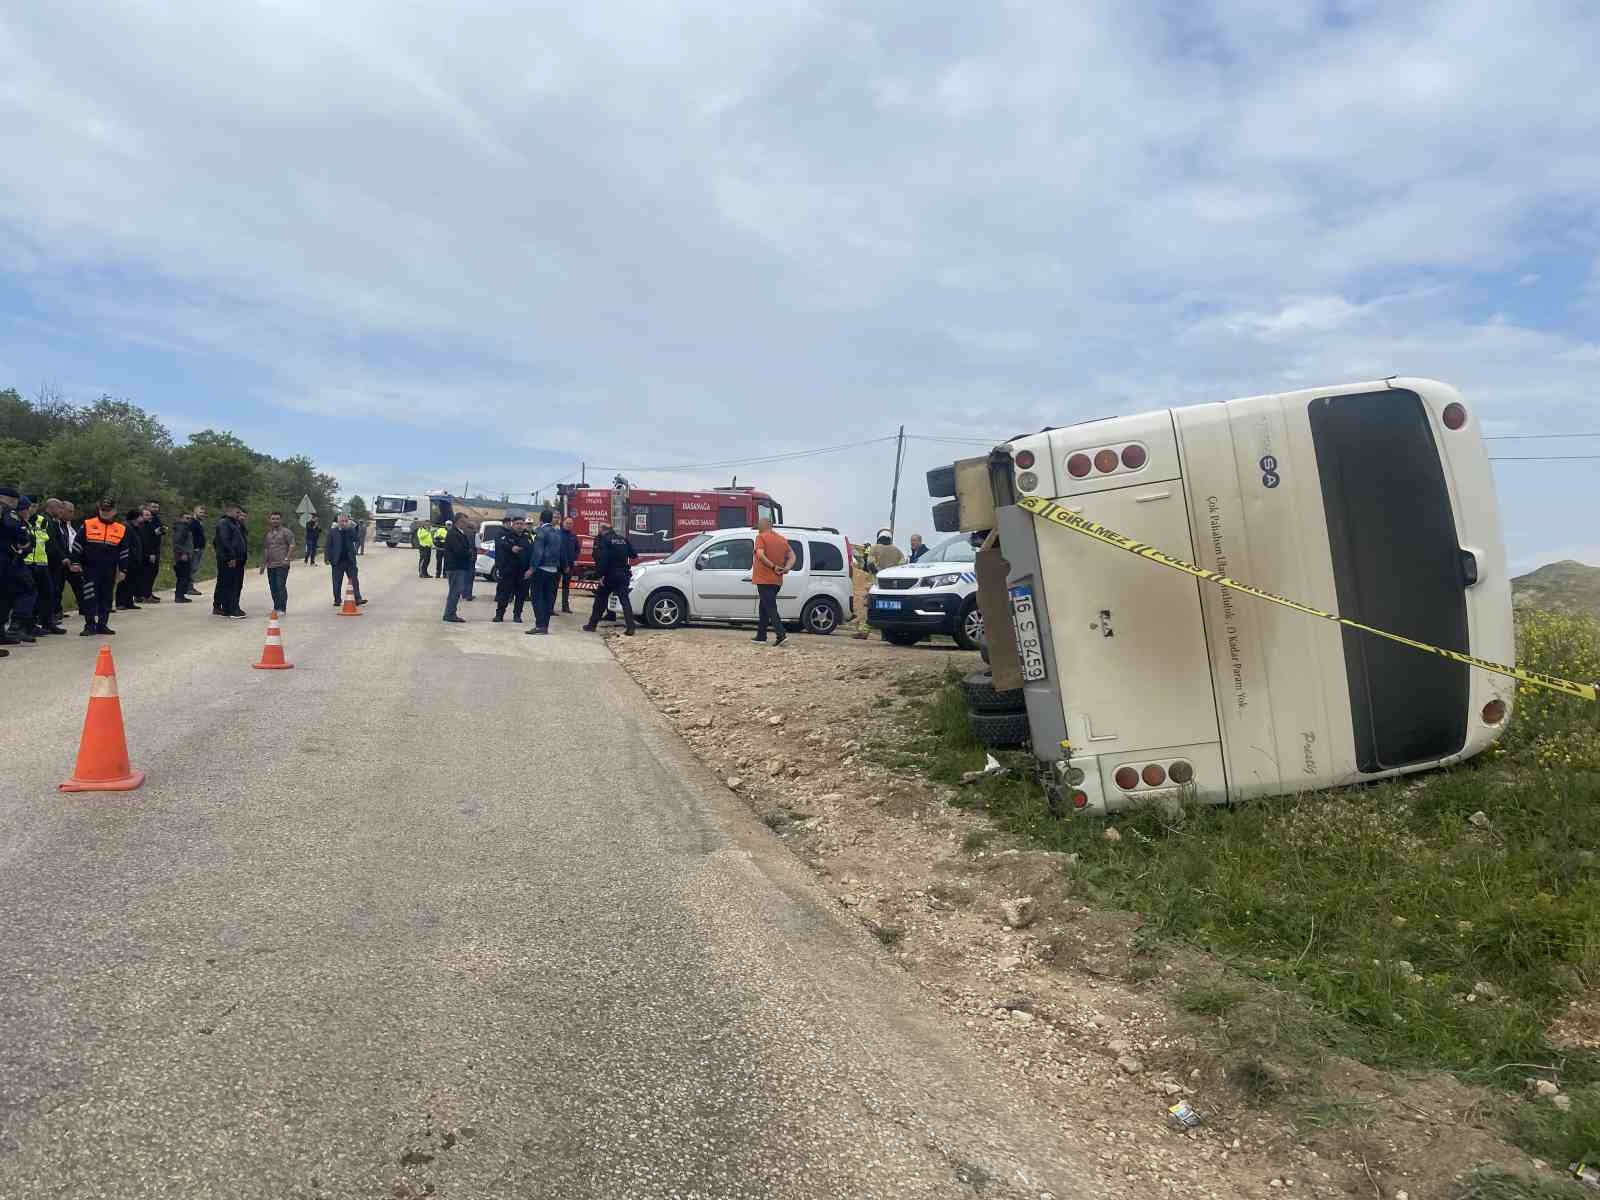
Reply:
x=424, y=537
x=38, y=560
x=102, y=550
x=511, y=565
x=16, y=580
x=613, y=559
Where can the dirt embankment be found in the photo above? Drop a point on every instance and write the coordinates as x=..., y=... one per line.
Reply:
x=1088, y=1012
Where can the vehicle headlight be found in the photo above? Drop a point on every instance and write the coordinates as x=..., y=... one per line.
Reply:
x=933, y=581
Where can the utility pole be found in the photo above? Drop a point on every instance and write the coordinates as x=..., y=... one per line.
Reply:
x=894, y=496
x=583, y=474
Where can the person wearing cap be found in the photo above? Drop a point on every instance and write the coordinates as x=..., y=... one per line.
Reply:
x=16, y=580
x=102, y=553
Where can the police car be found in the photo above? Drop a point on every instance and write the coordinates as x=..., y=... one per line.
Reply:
x=938, y=594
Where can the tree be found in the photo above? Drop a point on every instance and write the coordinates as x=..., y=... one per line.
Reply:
x=358, y=509
x=216, y=467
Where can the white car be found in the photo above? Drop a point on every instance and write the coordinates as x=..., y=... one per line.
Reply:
x=487, y=532
x=936, y=594
x=708, y=579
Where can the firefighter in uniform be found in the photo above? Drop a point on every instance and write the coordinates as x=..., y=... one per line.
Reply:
x=511, y=567
x=424, y=548
x=44, y=592
x=16, y=580
x=613, y=559
x=102, y=551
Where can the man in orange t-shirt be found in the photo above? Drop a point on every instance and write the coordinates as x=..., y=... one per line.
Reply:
x=773, y=559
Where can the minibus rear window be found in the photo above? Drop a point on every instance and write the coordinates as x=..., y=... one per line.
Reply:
x=1396, y=564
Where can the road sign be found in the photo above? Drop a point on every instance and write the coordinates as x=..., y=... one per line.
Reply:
x=304, y=510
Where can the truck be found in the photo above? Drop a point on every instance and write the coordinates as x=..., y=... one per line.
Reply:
x=1175, y=593
x=395, y=517
x=657, y=522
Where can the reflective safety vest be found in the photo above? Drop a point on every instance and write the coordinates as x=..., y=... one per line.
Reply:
x=37, y=556
x=425, y=538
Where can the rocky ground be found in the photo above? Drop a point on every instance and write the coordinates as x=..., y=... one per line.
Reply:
x=1079, y=1005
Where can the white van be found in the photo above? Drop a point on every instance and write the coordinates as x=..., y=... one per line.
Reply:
x=1372, y=500
x=708, y=579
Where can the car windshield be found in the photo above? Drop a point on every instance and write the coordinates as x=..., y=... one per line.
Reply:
x=688, y=548
x=391, y=504
x=958, y=549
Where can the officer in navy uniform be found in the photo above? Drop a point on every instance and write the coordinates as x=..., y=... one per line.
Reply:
x=16, y=578
x=613, y=559
x=511, y=549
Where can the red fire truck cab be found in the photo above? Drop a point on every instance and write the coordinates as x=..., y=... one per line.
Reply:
x=657, y=522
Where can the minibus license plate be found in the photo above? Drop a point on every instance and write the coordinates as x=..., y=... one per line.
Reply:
x=1025, y=620
x=886, y=603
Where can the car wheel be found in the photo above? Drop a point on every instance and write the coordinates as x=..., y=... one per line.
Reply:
x=969, y=626
x=1000, y=730
x=494, y=575
x=901, y=639
x=666, y=609
x=820, y=615
x=982, y=697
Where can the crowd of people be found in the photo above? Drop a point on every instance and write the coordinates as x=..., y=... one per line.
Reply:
x=533, y=568
x=110, y=561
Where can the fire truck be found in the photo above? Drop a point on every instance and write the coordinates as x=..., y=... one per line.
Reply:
x=657, y=522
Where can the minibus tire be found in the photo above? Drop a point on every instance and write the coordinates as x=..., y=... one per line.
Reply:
x=1000, y=731
x=896, y=638
x=983, y=698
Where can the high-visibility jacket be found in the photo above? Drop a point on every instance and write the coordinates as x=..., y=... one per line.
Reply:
x=37, y=556
x=424, y=538
x=104, y=543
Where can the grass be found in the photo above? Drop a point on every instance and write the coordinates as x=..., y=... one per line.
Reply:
x=1210, y=1000
x=1497, y=1185
x=1382, y=909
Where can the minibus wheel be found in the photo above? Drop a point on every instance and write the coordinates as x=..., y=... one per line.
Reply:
x=1000, y=730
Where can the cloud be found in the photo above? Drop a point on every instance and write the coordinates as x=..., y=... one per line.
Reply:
x=675, y=232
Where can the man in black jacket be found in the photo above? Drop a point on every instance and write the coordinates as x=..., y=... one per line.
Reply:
x=233, y=552
x=569, y=560
x=154, y=531
x=197, y=523
x=133, y=574
x=341, y=559
x=458, y=554
x=613, y=559
x=57, y=548
x=511, y=569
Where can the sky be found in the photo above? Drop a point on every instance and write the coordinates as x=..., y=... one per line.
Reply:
x=433, y=244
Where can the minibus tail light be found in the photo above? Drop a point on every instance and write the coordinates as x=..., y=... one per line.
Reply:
x=1494, y=712
x=1180, y=772
x=1134, y=457
x=1155, y=774
x=1024, y=459
x=1454, y=415
x=1078, y=465
x=1127, y=778
x=1079, y=799
x=1106, y=461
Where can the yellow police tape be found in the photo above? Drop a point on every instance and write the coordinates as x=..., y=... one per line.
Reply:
x=1049, y=510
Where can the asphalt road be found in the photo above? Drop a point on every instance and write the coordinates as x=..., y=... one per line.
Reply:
x=445, y=910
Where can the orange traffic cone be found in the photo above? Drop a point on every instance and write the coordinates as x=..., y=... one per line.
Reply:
x=272, y=653
x=349, y=609
x=103, y=750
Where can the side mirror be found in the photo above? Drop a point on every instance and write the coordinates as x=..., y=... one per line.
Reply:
x=699, y=564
